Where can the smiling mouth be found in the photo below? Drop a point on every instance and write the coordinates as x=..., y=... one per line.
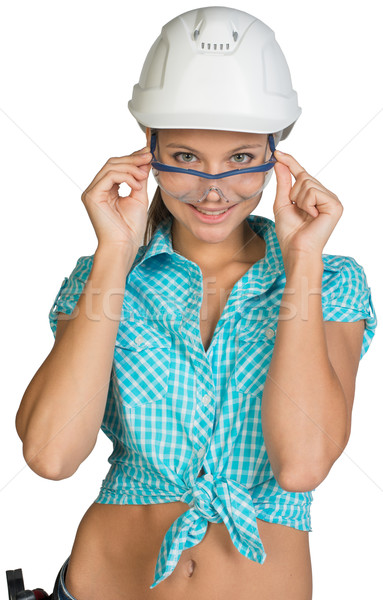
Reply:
x=212, y=211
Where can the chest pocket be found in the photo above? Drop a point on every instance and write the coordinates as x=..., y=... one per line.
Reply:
x=141, y=363
x=254, y=342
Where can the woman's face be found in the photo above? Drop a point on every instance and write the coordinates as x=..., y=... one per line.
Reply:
x=212, y=152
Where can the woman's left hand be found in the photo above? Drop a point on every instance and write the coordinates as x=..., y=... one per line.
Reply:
x=306, y=213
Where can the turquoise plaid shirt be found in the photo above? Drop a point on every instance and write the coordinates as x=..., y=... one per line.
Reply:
x=173, y=408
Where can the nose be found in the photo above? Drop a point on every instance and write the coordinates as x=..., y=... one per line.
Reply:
x=214, y=194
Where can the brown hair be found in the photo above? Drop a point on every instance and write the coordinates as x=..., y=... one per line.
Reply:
x=157, y=212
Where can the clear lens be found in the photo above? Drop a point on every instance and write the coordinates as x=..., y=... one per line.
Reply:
x=233, y=185
x=193, y=189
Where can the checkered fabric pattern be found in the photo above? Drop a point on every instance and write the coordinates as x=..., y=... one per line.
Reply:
x=173, y=407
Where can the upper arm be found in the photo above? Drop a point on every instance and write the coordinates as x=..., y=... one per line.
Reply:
x=62, y=322
x=344, y=345
x=37, y=381
x=69, y=293
x=349, y=319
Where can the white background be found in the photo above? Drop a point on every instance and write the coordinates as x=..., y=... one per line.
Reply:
x=67, y=72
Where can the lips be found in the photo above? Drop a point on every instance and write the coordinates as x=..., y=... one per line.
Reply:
x=213, y=209
x=212, y=218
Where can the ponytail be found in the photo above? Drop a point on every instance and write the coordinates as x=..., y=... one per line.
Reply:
x=157, y=212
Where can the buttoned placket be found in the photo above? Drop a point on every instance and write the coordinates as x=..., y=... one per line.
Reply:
x=255, y=282
x=206, y=403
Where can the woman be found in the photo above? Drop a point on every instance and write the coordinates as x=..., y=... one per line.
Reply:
x=216, y=356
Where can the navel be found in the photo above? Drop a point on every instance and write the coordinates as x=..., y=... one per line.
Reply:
x=190, y=566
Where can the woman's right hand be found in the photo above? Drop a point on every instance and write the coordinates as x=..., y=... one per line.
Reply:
x=120, y=220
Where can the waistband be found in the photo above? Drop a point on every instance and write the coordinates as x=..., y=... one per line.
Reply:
x=60, y=592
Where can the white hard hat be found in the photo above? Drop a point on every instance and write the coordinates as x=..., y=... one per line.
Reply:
x=216, y=68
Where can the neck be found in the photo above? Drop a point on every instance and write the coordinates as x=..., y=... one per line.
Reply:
x=243, y=245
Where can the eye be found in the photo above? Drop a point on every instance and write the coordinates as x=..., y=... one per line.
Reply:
x=239, y=158
x=184, y=156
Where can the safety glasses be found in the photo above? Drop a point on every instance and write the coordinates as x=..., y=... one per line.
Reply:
x=236, y=186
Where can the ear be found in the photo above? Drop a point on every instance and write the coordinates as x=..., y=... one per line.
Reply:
x=148, y=136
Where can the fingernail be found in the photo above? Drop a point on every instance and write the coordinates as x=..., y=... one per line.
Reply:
x=279, y=152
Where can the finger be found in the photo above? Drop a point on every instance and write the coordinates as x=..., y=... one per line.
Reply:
x=141, y=151
x=302, y=186
x=290, y=162
x=142, y=194
x=284, y=182
x=144, y=157
x=139, y=171
x=117, y=177
x=144, y=149
x=309, y=201
x=317, y=201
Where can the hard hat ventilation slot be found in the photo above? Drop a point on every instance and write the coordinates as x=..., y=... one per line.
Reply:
x=225, y=46
x=214, y=46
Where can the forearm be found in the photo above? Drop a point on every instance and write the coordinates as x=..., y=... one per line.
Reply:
x=62, y=409
x=304, y=410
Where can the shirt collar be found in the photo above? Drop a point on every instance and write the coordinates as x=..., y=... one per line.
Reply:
x=267, y=269
x=161, y=240
x=159, y=243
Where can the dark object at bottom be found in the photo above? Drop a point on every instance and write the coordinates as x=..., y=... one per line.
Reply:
x=16, y=590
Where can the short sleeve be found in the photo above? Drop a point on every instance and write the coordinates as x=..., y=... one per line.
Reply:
x=346, y=296
x=70, y=290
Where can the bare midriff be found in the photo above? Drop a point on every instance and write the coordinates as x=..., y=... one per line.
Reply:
x=115, y=551
x=116, y=547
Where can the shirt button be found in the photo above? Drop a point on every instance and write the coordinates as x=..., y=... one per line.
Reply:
x=269, y=332
x=209, y=478
x=201, y=453
x=139, y=339
x=206, y=399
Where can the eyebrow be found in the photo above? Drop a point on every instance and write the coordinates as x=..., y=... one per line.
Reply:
x=245, y=146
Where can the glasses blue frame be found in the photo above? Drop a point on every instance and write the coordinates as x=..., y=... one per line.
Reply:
x=260, y=168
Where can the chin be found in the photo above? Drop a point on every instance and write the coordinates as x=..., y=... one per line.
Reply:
x=213, y=234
